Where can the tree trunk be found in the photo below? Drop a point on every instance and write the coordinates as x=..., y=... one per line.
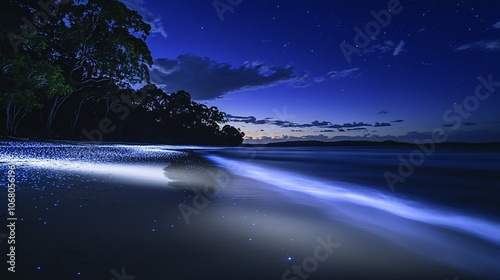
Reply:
x=14, y=115
x=77, y=117
x=60, y=99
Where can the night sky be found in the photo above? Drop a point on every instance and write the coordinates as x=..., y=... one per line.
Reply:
x=291, y=70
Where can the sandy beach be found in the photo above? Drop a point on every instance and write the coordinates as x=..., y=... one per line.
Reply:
x=97, y=224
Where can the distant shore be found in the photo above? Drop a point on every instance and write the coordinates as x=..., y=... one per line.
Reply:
x=312, y=143
x=388, y=143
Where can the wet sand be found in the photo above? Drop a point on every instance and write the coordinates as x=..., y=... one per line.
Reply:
x=97, y=226
x=247, y=232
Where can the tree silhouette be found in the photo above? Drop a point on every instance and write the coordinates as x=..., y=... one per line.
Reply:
x=82, y=66
x=96, y=44
x=178, y=119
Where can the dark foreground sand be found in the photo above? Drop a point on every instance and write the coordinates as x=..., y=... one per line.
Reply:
x=97, y=226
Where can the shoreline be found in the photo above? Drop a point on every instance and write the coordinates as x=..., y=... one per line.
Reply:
x=96, y=221
x=113, y=228
x=285, y=144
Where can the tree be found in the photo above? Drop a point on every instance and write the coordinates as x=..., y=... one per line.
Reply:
x=189, y=122
x=89, y=55
x=232, y=136
x=98, y=44
x=25, y=83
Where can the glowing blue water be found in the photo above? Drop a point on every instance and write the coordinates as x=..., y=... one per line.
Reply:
x=467, y=238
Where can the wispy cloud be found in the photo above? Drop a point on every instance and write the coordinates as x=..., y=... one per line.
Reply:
x=149, y=17
x=328, y=126
x=342, y=74
x=399, y=48
x=249, y=119
x=387, y=46
x=465, y=123
x=337, y=74
x=300, y=81
x=357, y=129
x=379, y=48
x=487, y=45
x=319, y=79
x=483, y=45
x=383, y=124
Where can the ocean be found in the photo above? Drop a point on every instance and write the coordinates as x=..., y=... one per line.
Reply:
x=467, y=181
x=445, y=210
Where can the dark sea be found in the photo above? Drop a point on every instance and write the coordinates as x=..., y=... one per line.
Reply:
x=463, y=180
x=443, y=206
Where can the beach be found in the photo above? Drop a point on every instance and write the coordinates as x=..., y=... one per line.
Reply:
x=119, y=211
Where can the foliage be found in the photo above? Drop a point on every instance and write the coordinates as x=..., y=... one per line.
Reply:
x=81, y=66
x=25, y=84
x=170, y=118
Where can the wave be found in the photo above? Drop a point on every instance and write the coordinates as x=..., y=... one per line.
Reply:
x=445, y=235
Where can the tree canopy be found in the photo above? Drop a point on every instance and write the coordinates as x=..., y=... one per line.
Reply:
x=69, y=69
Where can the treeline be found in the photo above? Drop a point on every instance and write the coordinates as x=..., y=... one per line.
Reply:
x=68, y=69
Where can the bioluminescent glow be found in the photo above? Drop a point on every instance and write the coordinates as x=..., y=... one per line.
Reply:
x=458, y=239
x=371, y=198
x=402, y=221
x=134, y=173
x=118, y=162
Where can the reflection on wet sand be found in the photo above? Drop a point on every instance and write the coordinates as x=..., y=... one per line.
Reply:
x=195, y=173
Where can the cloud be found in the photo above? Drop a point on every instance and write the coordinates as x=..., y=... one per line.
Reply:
x=328, y=126
x=380, y=48
x=300, y=81
x=334, y=74
x=349, y=125
x=465, y=123
x=149, y=17
x=250, y=119
x=473, y=136
x=383, y=112
x=399, y=48
x=207, y=79
x=318, y=123
x=483, y=45
x=469, y=123
x=397, y=121
x=487, y=45
x=282, y=138
x=381, y=124
x=341, y=74
x=325, y=124
x=319, y=79
x=386, y=47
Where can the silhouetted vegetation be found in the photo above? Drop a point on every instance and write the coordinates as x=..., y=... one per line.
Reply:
x=71, y=76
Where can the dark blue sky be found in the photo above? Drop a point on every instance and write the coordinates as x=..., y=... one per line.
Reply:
x=278, y=70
